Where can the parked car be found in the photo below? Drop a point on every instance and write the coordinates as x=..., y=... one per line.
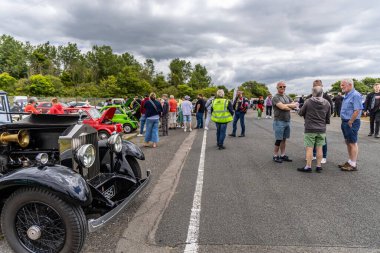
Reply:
x=79, y=104
x=44, y=107
x=58, y=182
x=101, y=122
x=124, y=117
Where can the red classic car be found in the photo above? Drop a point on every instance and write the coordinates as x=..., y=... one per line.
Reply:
x=101, y=122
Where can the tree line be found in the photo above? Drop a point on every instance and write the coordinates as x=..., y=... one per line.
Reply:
x=45, y=70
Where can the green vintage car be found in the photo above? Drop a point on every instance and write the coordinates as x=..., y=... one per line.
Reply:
x=124, y=117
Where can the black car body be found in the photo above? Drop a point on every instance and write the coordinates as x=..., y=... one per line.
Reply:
x=58, y=181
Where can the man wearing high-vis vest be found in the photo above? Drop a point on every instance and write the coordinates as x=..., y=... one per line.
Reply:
x=221, y=114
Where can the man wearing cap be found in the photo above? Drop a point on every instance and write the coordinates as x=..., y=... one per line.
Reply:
x=187, y=107
x=31, y=106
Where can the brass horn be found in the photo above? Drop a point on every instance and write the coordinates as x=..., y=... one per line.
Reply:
x=22, y=138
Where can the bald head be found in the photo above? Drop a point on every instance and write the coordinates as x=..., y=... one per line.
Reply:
x=317, y=83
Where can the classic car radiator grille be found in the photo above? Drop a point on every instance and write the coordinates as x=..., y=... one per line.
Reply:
x=89, y=138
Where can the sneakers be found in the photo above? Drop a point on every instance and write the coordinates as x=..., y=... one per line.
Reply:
x=286, y=158
x=190, y=129
x=184, y=129
x=314, y=158
x=206, y=128
x=277, y=159
x=242, y=135
x=348, y=167
x=377, y=136
x=324, y=160
x=220, y=147
x=232, y=135
x=370, y=134
x=318, y=169
x=343, y=165
x=140, y=135
x=303, y=169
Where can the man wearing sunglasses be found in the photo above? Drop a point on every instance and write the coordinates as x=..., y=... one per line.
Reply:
x=282, y=105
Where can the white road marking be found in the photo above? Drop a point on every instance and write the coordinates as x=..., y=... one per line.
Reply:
x=193, y=231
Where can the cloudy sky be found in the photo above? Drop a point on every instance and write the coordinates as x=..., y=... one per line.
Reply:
x=237, y=40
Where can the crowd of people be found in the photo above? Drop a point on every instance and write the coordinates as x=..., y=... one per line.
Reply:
x=316, y=108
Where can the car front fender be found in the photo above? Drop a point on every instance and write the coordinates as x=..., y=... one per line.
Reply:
x=131, y=149
x=62, y=180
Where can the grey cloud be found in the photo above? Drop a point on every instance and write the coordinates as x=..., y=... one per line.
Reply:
x=265, y=41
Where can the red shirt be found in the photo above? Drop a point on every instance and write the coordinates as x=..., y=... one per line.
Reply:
x=31, y=109
x=142, y=109
x=56, y=109
x=173, y=105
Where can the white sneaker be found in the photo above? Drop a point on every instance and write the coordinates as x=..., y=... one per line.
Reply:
x=270, y=117
x=323, y=160
x=314, y=158
x=190, y=129
x=139, y=135
x=206, y=128
x=184, y=130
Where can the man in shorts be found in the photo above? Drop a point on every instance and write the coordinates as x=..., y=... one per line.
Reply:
x=316, y=111
x=350, y=114
x=282, y=105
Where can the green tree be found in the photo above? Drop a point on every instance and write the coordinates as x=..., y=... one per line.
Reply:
x=13, y=57
x=255, y=88
x=40, y=85
x=159, y=82
x=199, y=77
x=102, y=62
x=7, y=83
x=180, y=72
x=110, y=88
x=130, y=82
x=184, y=90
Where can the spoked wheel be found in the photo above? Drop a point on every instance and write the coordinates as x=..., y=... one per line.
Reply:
x=35, y=220
x=103, y=135
x=127, y=128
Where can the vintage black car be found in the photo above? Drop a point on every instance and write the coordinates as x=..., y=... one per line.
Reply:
x=58, y=182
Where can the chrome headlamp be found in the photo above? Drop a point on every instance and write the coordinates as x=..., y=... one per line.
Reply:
x=115, y=143
x=85, y=155
x=42, y=158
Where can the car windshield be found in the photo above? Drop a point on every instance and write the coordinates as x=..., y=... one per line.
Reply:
x=95, y=114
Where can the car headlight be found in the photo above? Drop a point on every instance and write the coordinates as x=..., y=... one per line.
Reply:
x=42, y=158
x=115, y=143
x=85, y=155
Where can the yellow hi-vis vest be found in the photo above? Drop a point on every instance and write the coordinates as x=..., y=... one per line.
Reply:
x=220, y=113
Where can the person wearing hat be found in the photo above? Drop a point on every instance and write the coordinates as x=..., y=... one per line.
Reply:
x=31, y=106
x=187, y=107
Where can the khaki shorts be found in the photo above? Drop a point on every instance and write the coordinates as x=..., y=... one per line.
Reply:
x=311, y=139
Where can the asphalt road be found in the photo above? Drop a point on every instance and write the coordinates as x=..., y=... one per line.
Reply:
x=249, y=203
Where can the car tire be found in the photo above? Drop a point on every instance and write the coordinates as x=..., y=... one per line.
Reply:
x=36, y=220
x=127, y=128
x=135, y=166
x=103, y=135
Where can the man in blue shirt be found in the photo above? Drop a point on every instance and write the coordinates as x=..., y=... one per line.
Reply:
x=350, y=115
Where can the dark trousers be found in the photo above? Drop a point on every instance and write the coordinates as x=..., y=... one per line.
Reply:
x=324, y=150
x=268, y=111
x=238, y=116
x=164, y=124
x=371, y=122
x=221, y=129
x=337, y=110
x=199, y=117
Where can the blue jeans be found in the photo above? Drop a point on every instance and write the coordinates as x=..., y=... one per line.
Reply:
x=142, y=123
x=324, y=150
x=151, y=133
x=199, y=116
x=221, y=129
x=237, y=116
